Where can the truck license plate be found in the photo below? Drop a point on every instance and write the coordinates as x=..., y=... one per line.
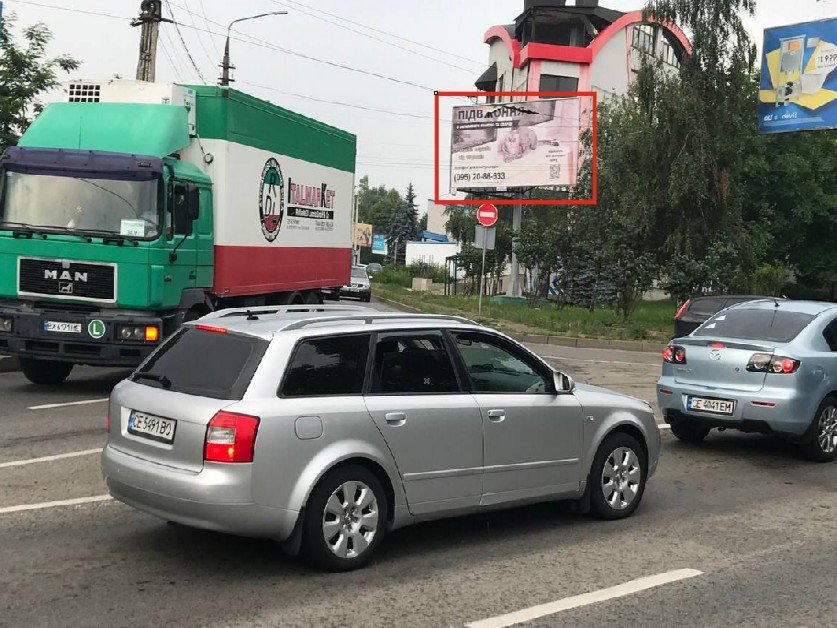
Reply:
x=153, y=427
x=715, y=406
x=62, y=328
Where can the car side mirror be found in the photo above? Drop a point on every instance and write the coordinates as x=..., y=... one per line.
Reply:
x=563, y=383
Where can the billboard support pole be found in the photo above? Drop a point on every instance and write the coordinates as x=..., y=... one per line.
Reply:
x=482, y=270
x=513, y=290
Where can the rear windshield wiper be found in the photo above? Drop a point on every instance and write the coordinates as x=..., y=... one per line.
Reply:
x=164, y=381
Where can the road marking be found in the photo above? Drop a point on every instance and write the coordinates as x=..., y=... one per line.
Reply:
x=562, y=359
x=72, y=454
x=664, y=426
x=63, y=502
x=585, y=599
x=50, y=406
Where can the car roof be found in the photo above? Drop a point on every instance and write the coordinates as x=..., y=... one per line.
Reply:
x=266, y=322
x=804, y=307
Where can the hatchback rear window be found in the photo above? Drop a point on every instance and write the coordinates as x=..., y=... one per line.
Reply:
x=706, y=306
x=773, y=325
x=204, y=363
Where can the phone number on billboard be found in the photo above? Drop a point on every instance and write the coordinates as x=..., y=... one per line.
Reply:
x=479, y=176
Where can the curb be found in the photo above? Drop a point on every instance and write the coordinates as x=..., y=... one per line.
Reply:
x=9, y=364
x=562, y=341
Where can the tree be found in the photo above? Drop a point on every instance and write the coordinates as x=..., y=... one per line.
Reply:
x=25, y=74
x=404, y=225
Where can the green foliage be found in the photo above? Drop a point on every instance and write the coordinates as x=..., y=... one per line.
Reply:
x=25, y=73
x=403, y=275
x=404, y=225
x=769, y=279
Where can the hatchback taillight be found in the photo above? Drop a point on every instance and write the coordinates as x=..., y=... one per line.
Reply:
x=230, y=438
x=674, y=354
x=767, y=363
x=682, y=309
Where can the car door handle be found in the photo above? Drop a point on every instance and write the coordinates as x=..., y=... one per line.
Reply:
x=496, y=416
x=396, y=419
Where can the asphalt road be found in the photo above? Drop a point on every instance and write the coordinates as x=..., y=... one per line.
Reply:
x=755, y=523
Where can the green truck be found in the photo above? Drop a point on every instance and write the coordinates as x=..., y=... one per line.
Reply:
x=132, y=207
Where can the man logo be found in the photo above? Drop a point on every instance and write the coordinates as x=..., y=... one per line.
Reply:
x=65, y=275
x=271, y=199
x=65, y=287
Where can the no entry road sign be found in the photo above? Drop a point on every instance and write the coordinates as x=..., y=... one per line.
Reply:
x=487, y=215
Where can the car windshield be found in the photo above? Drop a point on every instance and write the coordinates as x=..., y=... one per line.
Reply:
x=359, y=273
x=773, y=325
x=126, y=208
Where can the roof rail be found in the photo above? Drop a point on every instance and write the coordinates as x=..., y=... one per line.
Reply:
x=251, y=313
x=371, y=318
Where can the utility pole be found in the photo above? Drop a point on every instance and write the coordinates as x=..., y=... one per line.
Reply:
x=151, y=14
x=226, y=65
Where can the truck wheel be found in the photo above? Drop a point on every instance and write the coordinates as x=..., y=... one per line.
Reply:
x=45, y=372
x=313, y=298
x=688, y=431
x=822, y=446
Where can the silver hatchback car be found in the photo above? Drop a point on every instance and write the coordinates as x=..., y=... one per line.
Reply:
x=324, y=427
x=765, y=366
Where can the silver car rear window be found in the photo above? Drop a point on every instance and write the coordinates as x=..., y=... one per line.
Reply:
x=773, y=325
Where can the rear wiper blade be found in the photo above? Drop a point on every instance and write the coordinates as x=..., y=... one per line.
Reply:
x=164, y=381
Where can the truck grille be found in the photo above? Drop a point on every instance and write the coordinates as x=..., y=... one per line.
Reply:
x=67, y=279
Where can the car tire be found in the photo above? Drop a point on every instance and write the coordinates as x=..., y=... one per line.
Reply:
x=822, y=443
x=689, y=431
x=45, y=372
x=367, y=298
x=617, y=478
x=336, y=522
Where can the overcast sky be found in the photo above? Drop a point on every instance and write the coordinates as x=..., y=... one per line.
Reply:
x=433, y=44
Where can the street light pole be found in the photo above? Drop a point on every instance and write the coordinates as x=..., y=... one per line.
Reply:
x=226, y=66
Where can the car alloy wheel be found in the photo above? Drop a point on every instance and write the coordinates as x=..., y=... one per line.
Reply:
x=621, y=477
x=827, y=430
x=350, y=519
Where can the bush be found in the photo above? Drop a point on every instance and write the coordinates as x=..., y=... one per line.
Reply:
x=404, y=275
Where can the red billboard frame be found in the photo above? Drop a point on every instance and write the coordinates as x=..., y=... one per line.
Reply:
x=479, y=201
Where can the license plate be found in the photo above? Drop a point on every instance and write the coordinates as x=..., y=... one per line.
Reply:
x=153, y=427
x=715, y=406
x=62, y=328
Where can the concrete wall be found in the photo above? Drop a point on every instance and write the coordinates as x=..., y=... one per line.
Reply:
x=436, y=217
x=610, y=69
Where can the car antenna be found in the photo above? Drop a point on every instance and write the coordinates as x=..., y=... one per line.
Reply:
x=251, y=316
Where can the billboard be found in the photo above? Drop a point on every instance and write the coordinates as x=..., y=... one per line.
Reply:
x=521, y=144
x=798, y=90
x=363, y=235
x=379, y=244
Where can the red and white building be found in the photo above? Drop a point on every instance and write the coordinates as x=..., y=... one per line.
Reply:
x=557, y=46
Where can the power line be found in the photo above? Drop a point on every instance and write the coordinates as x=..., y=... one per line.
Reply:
x=71, y=9
x=206, y=20
x=169, y=58
x=185, y=47
x=383, y=32
x=368, y=36
x=192, y=15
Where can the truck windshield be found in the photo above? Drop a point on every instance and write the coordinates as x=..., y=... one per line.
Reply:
x=126, y=208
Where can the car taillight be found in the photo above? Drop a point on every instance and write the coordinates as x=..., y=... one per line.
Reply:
x=683, y=308
x=766, y=363
x=674, y=354
x=230, y=438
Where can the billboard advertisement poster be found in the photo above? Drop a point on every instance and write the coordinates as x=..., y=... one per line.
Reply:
x=379, y=244
x=363, y=235
x=798, y=89
x=516, y=144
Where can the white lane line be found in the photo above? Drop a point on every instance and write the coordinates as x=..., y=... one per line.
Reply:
x=63, y=502
x=72, y=454
x=49, y=406
x=563, y=359
x=585, y=599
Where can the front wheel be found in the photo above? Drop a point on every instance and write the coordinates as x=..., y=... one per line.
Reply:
x=45, y=372
x=689, y=431
x=822, y=446
x=345, y=519
x=617, y=478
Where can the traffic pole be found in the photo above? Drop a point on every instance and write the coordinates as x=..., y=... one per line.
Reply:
x=482, y=270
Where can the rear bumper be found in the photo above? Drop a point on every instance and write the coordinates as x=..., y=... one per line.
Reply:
x=790, y=416
x=217, y=498
x=28, y=338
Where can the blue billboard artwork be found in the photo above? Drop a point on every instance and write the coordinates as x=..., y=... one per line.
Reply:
x=379, y=244
x=798, y=89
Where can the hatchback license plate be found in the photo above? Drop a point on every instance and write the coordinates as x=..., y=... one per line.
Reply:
x=153, y=427
x=715, y=406
x=62, y=328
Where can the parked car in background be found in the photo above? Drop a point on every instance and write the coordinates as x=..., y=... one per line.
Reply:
x=696, y=310
x=327, y=427
x=765, y=366
x=359, y=285
x=373, y=269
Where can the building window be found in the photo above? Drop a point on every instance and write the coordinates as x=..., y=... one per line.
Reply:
x=552, y=83
x=643, y=38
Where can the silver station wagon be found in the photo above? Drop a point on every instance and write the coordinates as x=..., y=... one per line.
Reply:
x=324, y=427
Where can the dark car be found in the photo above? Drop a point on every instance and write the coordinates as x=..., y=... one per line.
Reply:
x=696, y=310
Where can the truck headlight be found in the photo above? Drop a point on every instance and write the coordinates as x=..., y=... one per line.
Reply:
x=6, y=325
x=139, y=333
